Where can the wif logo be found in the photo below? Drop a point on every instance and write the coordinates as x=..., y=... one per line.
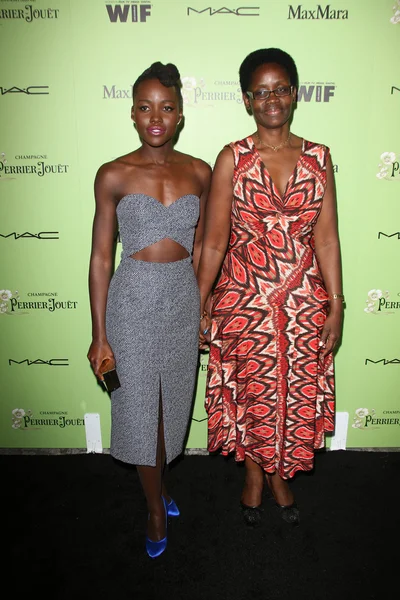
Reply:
x=315, y=92
x=132, y=13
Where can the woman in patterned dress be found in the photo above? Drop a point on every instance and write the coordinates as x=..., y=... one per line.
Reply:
x=273, y=312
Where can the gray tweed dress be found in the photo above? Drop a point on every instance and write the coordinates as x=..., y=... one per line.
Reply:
x=152, y=325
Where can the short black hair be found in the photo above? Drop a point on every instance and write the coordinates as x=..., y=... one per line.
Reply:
x=263, y=56
x=167, y=75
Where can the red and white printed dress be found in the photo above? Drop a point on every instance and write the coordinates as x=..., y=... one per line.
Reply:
x=267, y=395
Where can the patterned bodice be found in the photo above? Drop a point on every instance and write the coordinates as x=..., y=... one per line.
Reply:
x=271, y=247
x=143, y=221
x=258, y=206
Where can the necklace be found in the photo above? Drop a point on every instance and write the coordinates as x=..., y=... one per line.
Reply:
x=274, y=148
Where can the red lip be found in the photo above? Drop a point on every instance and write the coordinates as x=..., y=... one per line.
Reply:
x=156, y=130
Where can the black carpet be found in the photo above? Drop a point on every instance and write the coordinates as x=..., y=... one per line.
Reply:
x=73, y=527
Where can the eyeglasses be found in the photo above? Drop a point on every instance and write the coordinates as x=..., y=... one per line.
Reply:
x=282, y=90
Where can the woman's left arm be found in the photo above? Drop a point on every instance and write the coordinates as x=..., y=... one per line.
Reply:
x=204, y=173
x=327, y=249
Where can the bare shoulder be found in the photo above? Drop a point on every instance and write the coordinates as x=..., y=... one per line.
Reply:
x=225, y=160
x=108, y=170
x=226, y=154
x=111, y=173
x=202, y=169
x=195, y=162
x=105, y=177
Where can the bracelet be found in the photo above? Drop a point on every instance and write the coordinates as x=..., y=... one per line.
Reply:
x=204, y=314
x=338, y=297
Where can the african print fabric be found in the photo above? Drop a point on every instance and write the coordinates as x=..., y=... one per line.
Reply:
x=268, y=396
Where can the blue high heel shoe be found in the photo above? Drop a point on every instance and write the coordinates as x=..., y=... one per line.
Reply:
x=154, y=549
x=172, y=509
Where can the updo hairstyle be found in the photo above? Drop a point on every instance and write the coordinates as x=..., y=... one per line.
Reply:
x=168, y=75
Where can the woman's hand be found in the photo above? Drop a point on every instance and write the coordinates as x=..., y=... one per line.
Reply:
x=205, y=331
x=331, y=331
x=101, y=358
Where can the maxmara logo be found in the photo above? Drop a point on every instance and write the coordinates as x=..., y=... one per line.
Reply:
x=30, y=90
x=380, y=303
x=366, y=418
x=29, y=14
x=113, y=92
x=11, y=303
x=241, y=11
x=23, y=419
x=39, y=167
x=318, y=12
x=128, y=12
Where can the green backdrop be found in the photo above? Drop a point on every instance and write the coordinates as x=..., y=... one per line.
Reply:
x=66, y=74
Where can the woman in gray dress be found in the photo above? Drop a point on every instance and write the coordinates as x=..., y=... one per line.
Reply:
x=145, y=316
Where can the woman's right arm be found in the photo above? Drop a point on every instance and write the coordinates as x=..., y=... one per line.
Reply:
x=217, y=224
x=100, y=270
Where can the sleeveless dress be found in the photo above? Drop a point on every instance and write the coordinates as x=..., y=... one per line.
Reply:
x=267, y=395
x=152, y=325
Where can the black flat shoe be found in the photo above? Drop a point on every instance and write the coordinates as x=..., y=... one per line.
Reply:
x=289, y=513
x=252, y=515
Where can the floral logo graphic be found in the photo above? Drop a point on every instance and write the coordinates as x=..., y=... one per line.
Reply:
x=360, y=418
x=3, y=162
x=5, y=297
x=374, y=300
x=191, y=86
x=197, y=93
x=396, y=9
x=388, y=166
x=18, y=415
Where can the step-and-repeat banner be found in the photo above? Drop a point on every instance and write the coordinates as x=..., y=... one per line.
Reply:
x=65, y=97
